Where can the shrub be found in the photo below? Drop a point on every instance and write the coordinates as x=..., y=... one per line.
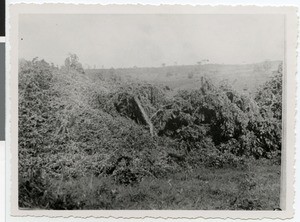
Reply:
x=72, y=128
x=268, y=128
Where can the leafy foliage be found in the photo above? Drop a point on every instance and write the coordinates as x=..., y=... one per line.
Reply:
x=76, y=128
x=269, y=127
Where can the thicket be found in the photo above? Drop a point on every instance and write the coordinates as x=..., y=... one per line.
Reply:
x=122, y=131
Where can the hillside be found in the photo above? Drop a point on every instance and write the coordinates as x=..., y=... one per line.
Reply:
x=243, y=78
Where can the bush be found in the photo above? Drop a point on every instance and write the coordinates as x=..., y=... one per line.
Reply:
x=268, y=128
x=72, y=128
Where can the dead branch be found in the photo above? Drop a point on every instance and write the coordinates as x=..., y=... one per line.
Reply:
x=144, y=115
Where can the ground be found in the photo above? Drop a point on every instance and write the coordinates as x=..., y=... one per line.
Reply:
x=251, y=187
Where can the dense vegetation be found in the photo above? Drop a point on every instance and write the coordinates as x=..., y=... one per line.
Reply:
x=113, y=142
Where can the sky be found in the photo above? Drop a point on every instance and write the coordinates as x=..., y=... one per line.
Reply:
x=117, y=40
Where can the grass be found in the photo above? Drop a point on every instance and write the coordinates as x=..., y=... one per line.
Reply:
x=257, y=188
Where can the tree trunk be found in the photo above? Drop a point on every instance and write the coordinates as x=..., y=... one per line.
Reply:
x=144, y=115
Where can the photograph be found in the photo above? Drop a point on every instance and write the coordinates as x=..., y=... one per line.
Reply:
x=151, y=111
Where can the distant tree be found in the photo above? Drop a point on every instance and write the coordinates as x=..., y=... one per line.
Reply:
x=203, y=61
x=72, y=62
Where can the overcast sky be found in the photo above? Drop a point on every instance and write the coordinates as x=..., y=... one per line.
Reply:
x=150, y=40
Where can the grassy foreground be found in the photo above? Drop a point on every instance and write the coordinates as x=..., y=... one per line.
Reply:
x=253, y=187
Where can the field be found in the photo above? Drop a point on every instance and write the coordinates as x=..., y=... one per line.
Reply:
x=244, y=78
x=203, y=137
x=203, y=188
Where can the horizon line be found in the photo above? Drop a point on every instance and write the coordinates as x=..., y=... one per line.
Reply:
x=143, y=67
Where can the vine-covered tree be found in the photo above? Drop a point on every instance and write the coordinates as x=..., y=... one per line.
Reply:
x=269, y=126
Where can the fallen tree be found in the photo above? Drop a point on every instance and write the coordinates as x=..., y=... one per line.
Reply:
x=143, y=115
